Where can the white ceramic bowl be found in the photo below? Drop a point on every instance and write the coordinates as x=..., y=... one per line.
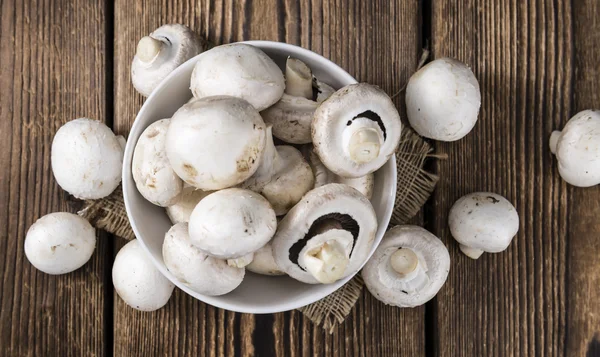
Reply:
x=257, y=294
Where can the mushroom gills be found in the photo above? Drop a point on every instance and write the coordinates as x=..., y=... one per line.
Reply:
x=326, y=249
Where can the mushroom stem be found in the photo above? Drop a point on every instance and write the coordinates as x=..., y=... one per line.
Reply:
x=327, y=262
x=322, y=174
x=242, y=261
x=470, y=252
x=148, y=48
x=406, y=264
x=298, y=79
x=363, y=139
x=554, y=140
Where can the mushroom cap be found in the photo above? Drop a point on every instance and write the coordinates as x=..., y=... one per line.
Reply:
x=200, y=272
x=87, y=159
x=383, y=281
x=215, y=142
x=443, y=100
x=60, y=243
x=348, y=106
x=299, y=227
x=230, y=223
x=238, y=70
x=483, y=220
x=264, y=263
x=181, y=211
x=137, y=281
x=291, y=117
x=152, y=172
x=178, y=44
x=290, y=182
x=578, y=149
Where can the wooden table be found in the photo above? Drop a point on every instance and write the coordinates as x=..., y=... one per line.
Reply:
x=538, y=63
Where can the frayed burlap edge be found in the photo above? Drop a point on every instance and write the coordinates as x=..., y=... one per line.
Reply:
x=414, y=186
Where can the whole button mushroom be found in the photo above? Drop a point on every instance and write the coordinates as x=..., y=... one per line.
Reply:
x=356, y=130
x=87, y=159
x=181, y=211
x=326, y=236
x=238, y=70
x=264, y=262
x=215, y=142
x=231, y=223
x=159, y=53
x=292, y=115
x=283, y=176
x=443, y=100
x=152, y=172
x=202, y=273
x=323, y=176
x=137, y=281
x=408, y=268
x=483, y=222
x=577, y=149
x=60, y=243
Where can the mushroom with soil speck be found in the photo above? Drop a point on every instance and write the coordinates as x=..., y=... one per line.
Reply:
x=443, y=100
x=231, y=223
x=283, y=176
x=151, y=170
x=292, y=115
x=408, y=268
x=137, y=281
x=577, y=149
x=87, y=159
x=327, y=236
x=60, y=243
x=483, y=222
x=159, y=53
x=238, y=70
x=356, y=130
x=215, y=142
x=198, y=271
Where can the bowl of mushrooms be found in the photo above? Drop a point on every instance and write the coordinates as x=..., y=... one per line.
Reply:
x=237, y=221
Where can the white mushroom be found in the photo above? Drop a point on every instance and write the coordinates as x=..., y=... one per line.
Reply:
x=200, y=272
x=238, y=70
x=160, y=53
x=408, y=268
x=215, y=142
x=577, y=149
x=356, y=130
x=137, y=281
x=292, y=115
x=231, y=223
x=483, y=222
x=242, y=261
x=326, y=236
x=87, y=159
x=264, y=262
x=443, y=100
x=181, y=211
x=60, y=243
x=151, y=169
x=283, y=176
x=323, y=176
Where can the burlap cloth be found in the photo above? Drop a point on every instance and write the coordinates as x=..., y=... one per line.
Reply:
x=414, y=187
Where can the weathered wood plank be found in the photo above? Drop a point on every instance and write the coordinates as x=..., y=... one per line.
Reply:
x=378, y=42
x=52, y=70
x=512, y=303
x=583, y=265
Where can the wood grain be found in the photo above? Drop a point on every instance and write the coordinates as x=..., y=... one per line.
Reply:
x=376, y=41
x=52, y=70
x=583, y=265
x=513, y=303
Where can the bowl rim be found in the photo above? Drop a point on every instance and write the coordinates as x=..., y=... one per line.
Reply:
x=215, y=300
